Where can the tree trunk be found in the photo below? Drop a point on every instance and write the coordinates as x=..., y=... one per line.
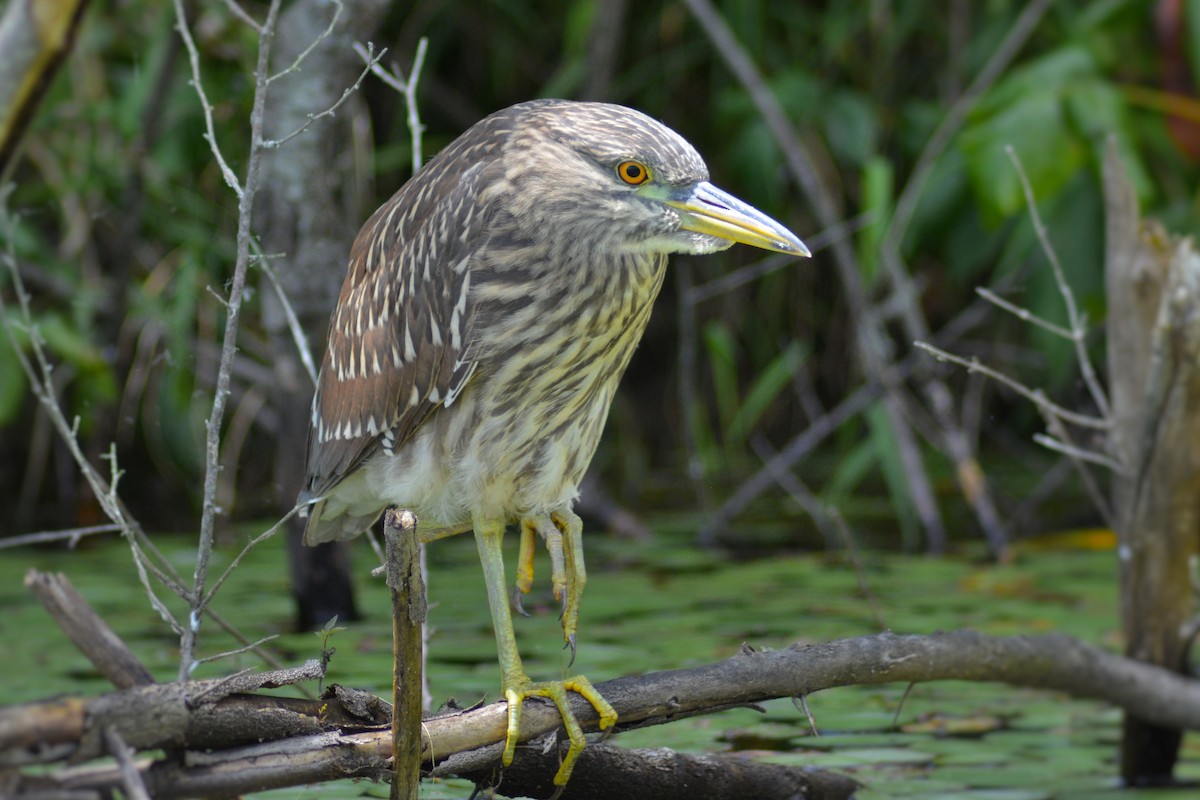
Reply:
x=307, y=224
x=1154, y=375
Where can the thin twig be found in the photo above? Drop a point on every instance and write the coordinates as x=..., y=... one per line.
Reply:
x=1022, y=313
x=236, y=9
x=415, y=127
x=289, y=314
x=1050, y=443
x=245, y=194
x=800, y=701
x=262, y=537
x=132, y=784
x=148, y=560
x=71, y=535
x=405, y=86
x=338, y=8
x=1098, y=497
x=900, y=705
x=1037, y=396
x=1077, y=322
x=210, y=134
x=347, y=93
x=796, y=488
x=252, y=646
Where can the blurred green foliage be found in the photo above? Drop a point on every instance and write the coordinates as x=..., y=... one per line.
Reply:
x=125, y=227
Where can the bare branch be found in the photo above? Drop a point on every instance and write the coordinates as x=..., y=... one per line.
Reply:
x=796, y=489
x=1091, y=456
x=132, y=784
x=262, y=537
x=406, y=87
x=246, y=648
x=210, y=134
x=1098, y=497
x=415, y=127
x=87, y=630
x=344, y=744
x=338, y=8
x=69, y=535
x=245, y=194
x=1077, y=322
x=271, y=144
x=236, y=9
x=289, y=314
x=1037, y=396
x=1022, y=313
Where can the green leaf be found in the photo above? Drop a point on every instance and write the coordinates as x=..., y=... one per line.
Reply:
x=777, y=375
x=722, y=358
x=878, y=190
x=851, y=127
x=1037, y=130
x=1029, y=112
x=895, y=473
x=69, y=343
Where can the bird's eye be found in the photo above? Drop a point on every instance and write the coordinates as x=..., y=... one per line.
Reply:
x=633, y=172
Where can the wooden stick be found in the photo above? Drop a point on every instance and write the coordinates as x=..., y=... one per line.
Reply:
x=87, y=630
x=408, y=616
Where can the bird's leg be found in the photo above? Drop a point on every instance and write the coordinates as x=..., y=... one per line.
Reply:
x=489, y=536
x=524, y=565
x=576, y=575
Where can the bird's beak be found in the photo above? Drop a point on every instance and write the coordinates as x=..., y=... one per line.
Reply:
x=706, y=209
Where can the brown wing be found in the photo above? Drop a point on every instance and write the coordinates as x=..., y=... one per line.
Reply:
x=398, y=340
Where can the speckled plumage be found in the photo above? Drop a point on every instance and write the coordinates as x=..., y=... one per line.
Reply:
x=489, y=310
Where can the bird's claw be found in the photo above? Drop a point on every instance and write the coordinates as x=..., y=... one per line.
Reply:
x=556, y=691
x=571, y=644
x=516, y=602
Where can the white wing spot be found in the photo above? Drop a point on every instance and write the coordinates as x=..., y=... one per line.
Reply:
x=409, y=351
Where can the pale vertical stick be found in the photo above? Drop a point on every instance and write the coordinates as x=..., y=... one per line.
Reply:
x=408, y=617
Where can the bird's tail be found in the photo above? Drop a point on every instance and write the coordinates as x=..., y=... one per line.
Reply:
x=321, y=528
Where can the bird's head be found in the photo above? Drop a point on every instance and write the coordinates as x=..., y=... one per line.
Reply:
x=622, y=182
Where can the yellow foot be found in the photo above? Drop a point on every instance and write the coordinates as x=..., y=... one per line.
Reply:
x=522, y=687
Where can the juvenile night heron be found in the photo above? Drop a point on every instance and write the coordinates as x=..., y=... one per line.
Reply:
x=489, y=309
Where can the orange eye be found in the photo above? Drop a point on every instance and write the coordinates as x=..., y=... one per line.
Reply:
x=633, y=172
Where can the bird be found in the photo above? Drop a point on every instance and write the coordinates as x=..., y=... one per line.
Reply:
x=487, y=314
